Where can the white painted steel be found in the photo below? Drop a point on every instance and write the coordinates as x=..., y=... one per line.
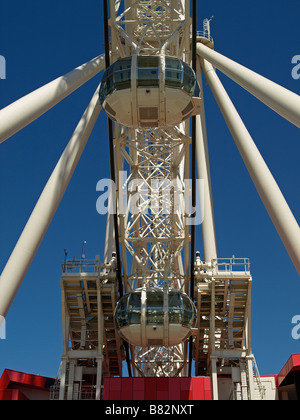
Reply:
x=152, y=243
x=273, y=199
x=37, y=225
x=280, y=99
x=202, y=159
x=22, y=112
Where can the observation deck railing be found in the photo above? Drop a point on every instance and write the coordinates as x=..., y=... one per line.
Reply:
x=202, y=34
x=81, y=266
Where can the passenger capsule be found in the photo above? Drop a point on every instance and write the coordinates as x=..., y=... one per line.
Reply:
x=155, y=317
x=150, y=91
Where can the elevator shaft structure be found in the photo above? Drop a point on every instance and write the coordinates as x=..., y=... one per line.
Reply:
x=153, y=159
x=154, y=302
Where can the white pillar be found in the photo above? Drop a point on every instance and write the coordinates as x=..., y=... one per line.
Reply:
x=249, y=362
x=212, y=344
x=63, y=374
x=202, y=159
x=27, y=109
x=281, y=100
x=279, y=211
x=214, y=378
x=100, y=341
x=99, y=361
x=37, y=225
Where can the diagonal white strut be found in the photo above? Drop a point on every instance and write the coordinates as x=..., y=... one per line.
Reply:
x=22, y=112
x=203, y=167
x=41, y=216
x=278, y=209
x=280, y=99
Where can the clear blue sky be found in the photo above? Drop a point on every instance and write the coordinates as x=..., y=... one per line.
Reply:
x=43, y=40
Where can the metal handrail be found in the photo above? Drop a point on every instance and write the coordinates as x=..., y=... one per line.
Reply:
x=232, y=264
x=80, y=266
x=261, y=388
x=202, y=34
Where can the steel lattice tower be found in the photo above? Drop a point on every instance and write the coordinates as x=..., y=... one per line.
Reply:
x=150, y=234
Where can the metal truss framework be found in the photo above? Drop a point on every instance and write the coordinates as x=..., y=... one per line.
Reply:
x=155, y=243
x=152, y=223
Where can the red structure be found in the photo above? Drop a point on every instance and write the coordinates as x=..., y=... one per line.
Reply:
x=24, y=386
x=288, y=379
x=145, y=389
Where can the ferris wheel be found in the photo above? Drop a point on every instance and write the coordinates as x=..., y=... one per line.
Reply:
x=154, y=302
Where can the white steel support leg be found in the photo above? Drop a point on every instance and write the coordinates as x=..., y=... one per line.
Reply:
x=214, y=378
x=249, y=361
x=22, y=112
x=100, y=342
x=62, y=387
x=279, y=211
x=212, y=330
x=248, y=321
x=202, y=159
x=37, y=225
x=99, y=378
x=280, y=99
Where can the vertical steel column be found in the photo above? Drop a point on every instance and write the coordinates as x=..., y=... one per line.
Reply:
x=249, y=365
x=63, y=375
x=212, y=344
x=214, y=378
x=41, y=217
x=100, y=342
x=278, y=209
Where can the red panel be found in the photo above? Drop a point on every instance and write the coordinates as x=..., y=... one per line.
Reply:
x=138, y=395
x=291, y=365
x=207, y=395
x=207, y=389
x=186, y=384
x=27, y=379
x=106, y=384
x=186, y=389
x=12, y=395
x=127, y=389
x=198, y=389
x=115, y=384
x=186, y=395
x=139, y=384
x=22, y=378
x=174, y=388
x=150, y=389
x=4, y=380
x=114, y=395
x=162, y=384
x=162, y=395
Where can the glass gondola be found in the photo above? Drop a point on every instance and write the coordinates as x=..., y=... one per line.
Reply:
x=155, y=317
x=150, y=91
